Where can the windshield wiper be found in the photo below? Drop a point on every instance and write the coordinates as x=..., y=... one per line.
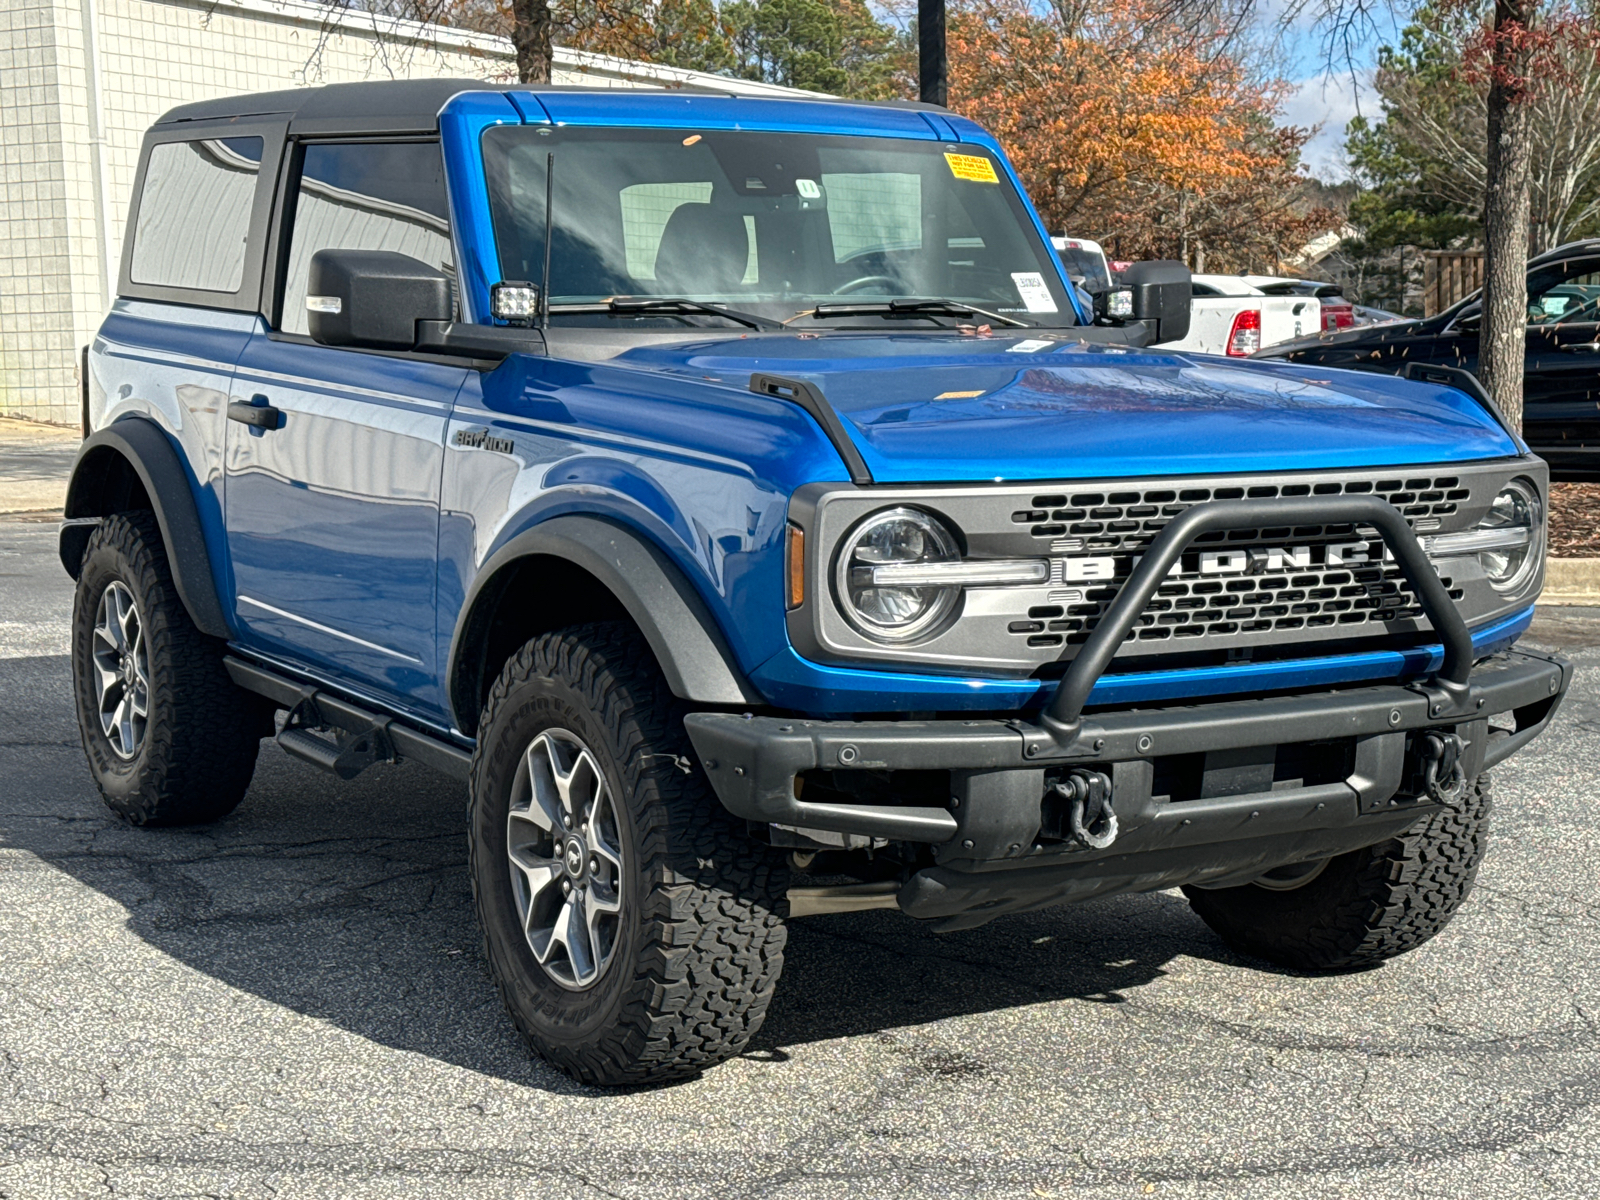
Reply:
x=913, y=308
x=654, y=305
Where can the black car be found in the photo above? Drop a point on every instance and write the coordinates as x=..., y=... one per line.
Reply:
x=1561, y=389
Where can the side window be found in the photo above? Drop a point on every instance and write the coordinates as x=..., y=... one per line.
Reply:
x=877, y=212
x=646, y=210
x=194, y=214
x=366, y=196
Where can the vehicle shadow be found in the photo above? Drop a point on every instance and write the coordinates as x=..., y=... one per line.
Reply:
x=350, y=903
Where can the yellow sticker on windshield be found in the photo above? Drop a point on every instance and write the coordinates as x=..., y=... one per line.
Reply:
x=972, y=166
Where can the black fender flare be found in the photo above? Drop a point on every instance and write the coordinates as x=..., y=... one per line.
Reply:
x=148, y=451
x=685, y=638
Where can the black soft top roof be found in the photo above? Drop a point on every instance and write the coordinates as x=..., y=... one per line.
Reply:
x=395, y=105
x=385, y=106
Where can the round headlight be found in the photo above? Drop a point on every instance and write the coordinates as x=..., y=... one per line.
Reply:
x=1515, y=511
x=894, y=536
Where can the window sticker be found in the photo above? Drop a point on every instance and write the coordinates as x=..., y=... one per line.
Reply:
x=1035, y=295
x=973, y=167
x=808, y=188
x=959, y=395
x=1032, y=345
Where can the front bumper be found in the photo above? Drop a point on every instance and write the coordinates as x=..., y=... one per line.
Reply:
x=1000, y=771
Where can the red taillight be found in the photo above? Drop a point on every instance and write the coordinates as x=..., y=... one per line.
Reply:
x=1338, y=316
x=1244, y=339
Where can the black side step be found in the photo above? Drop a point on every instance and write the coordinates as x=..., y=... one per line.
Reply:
x=371, y=737
x=348, y=756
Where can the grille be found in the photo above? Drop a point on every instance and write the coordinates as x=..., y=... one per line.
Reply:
x=1332, y=575
x=1302, y=587
x=1191, y=606
x=1128, y=520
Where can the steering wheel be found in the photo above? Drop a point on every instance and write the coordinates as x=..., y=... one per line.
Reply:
x=855, y=285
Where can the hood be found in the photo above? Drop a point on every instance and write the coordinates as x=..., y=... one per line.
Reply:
x=933, y=407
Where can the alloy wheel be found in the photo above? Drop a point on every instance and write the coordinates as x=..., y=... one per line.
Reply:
x=564, y=843
x=121, y=670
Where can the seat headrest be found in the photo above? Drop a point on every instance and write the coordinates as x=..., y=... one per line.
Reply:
x=703, y=250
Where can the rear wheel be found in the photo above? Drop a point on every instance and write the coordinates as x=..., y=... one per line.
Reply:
x=631, y=924
x=1358, y=909
x=170, y=739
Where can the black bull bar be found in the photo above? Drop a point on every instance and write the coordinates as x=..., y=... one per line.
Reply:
x=1063, y=715
x=1000, y=768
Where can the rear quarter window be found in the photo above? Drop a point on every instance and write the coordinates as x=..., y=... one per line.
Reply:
x=194, y=214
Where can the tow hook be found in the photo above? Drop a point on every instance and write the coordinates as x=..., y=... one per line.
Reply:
x=1443, y=776
x=1090, y=818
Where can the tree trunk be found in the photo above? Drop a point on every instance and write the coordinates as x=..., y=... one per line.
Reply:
x=1502, y=343
x=530, y=34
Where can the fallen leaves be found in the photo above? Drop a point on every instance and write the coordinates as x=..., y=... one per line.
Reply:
x=1575, y=520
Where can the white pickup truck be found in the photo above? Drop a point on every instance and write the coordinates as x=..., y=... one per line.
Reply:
x=1228, y=316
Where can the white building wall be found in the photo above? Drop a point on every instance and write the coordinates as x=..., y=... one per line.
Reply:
x=153, y=55
x=36, y=285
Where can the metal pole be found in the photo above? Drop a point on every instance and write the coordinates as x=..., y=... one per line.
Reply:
x=99, y=176
x=932, y=64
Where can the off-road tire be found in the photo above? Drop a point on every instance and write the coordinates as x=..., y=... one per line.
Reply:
x=203, y=732
x=700, y=944
x=1366, y=906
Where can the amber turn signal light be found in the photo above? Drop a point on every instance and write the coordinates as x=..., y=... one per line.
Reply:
x=796, y=567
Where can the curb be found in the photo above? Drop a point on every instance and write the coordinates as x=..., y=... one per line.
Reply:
x=26, y=430
x=1571, y=581
x=35, y=516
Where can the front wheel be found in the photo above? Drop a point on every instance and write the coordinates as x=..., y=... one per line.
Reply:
x=1358, y=909
x=631, y=924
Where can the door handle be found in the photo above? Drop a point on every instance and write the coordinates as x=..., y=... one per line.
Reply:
x=1582, y=348
x=257, y=412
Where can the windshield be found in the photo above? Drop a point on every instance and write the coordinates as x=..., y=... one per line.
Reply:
x=765, y=223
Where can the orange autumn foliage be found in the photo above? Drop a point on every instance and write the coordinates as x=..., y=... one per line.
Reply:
x=1131, y=129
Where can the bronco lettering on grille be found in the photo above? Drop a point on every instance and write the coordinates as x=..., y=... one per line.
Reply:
x=1252, y=560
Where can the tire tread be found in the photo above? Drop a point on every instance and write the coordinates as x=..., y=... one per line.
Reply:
x=1381, y=902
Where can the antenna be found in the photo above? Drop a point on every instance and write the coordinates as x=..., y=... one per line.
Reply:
x=549, y=226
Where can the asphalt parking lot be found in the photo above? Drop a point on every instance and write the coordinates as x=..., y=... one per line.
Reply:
x=293, y=1003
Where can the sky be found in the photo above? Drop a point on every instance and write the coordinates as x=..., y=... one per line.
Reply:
x=1326, y=99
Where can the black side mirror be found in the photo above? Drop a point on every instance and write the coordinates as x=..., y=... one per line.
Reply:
x=373, y=298
x=1161, y=291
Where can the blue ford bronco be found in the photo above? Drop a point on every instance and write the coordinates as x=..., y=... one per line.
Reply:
x=737, y=495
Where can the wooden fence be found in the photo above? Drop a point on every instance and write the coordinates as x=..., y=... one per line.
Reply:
x=1447, y=276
